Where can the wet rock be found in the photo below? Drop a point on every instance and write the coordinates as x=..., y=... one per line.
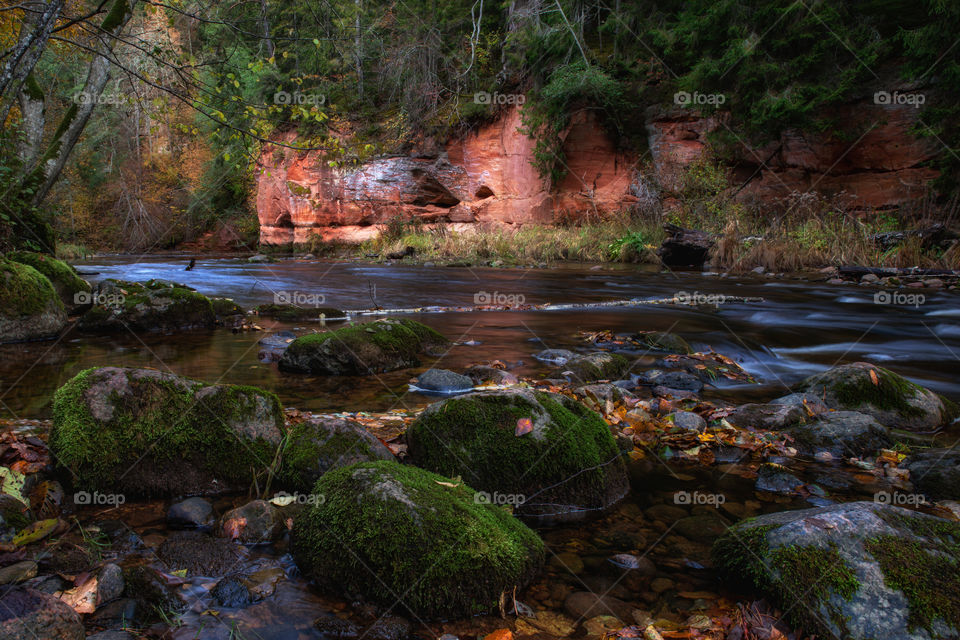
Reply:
x=26, y=614
x=109, y=583
x=273, y=345
x=115, y=614
x=582, y=605
x=597, y=366
x=679, y=380
x=259, y=258
x=335, y=628
x=555, y=356
x=362, y=349
x=72, y=290
x=190, y=514
x=151, y=306
x=294, y=313
x=601, y=625
x=604, y=392
x=774, y=417
x=858, y=570
x=843, y=434
x=231, y=592
x=112, y=635
x=482, y=374
x=665, y=512
x=151, y=593
x=389, y=628
x=811, y=404
x=629, y=562
x=141, y=420
x=257, y=522
x=318, y=445
x=935, y=472
x=663, y=341
x=444, y=381
x=701, y=528
x=30, y=308
x=464, y=556
x=891, y=399
x=685, y=247
x=567, y=562
x=659, y=585
x=688, y=421
x=567, y=448
x=199, y=553
x=776, y=478
x=19, y=572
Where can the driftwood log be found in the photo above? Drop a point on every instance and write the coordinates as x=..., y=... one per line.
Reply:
x=685, y=247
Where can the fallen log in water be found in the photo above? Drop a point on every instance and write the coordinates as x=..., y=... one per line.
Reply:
x=855, y=271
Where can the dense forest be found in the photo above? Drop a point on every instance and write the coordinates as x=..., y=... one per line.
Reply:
x=136, y=125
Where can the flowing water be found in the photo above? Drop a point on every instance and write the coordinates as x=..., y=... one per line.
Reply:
x=794, y=330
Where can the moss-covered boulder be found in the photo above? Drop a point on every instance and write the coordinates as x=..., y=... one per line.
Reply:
x=546, y=454
x=65, y=280
x=860, y=570
x=890, y=398
x=597, y=366
x=397, y=534
x=145, y=432
x=30, y=308
x=151, y=306
x=227, y=313
x=316, y=446
x=294, y=313
x=663, y=341
x=362, y=349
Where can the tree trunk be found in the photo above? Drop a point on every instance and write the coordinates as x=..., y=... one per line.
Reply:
x=38, y=23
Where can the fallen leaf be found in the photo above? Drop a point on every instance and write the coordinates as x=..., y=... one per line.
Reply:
x=35, y=531
x=873, y=378
x=524, y=426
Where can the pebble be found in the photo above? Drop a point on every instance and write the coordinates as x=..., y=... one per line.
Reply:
x=567, y=562
x=659, y=585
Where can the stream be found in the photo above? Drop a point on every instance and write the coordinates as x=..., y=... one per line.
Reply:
x=797, y=328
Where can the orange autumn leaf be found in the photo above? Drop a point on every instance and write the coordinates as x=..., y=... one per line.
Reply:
x=524, y=426
x=873, y=378
x=234, y=526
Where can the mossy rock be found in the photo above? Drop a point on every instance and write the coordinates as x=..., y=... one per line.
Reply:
x=860, y=570
x=64, y=278
x=30, y=308
x=152, y=306
x=316, y=446
x=227, y=312
x=663, y=341
x=597, y=366
x=397, y=534
x=565, y=468
x=293, y=313
x=890, y=398
x=145, y=432
x=362, y=349
x=843, y=434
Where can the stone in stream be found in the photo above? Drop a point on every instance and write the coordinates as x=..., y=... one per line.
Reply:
x=336, y=628
x=227, y=312
x=362, y=349
x=386, y=528
x=191, y=513
x=597, y=366
x=141, y=432
x=688, y=421
x=663, y=341
x=294, y=313
x=893, y=400
x=858, y=570
x=555, y=356
x=70, y=287
x=604, y=391
x=843, y=434
x=152, y=596
x=935, y=472
x=155, y=305
x=679, y=380
x=231, y=592
x=30, y=308
x=200, y=554
x=771, y=416
x=26, y=614
x=582, y=605
x=273, y=345
x=316, y=446
x=257, y=522
x=484, y=375
x=443, y=381
x=775, y=478
x=563, y=466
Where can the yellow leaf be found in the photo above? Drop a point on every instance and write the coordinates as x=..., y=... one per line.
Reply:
x=35, y=532
x=873, y=378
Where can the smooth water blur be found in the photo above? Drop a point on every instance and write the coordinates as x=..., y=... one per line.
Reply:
x=799, y=328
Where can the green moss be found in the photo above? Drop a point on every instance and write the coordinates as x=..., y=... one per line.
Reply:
x=297, y=189
x=312, y=449
x=384, y=529
x=474, y=437
x=598, y=366
x=889, y=394
x=292, y=313
x=927, y=573
x=63, y=277
x=225, y=307
x=665, y=341
x=24, y=291
x=162, y=422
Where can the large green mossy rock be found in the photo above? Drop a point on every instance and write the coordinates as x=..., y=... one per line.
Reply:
x=151, y=306
x=860, y=570
x=30, y=308
x=564, y=465
x=146, y=432
x=362, y=349
x=399, y=535
x=316, y=446
x=64, y=278
x=893, y=400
